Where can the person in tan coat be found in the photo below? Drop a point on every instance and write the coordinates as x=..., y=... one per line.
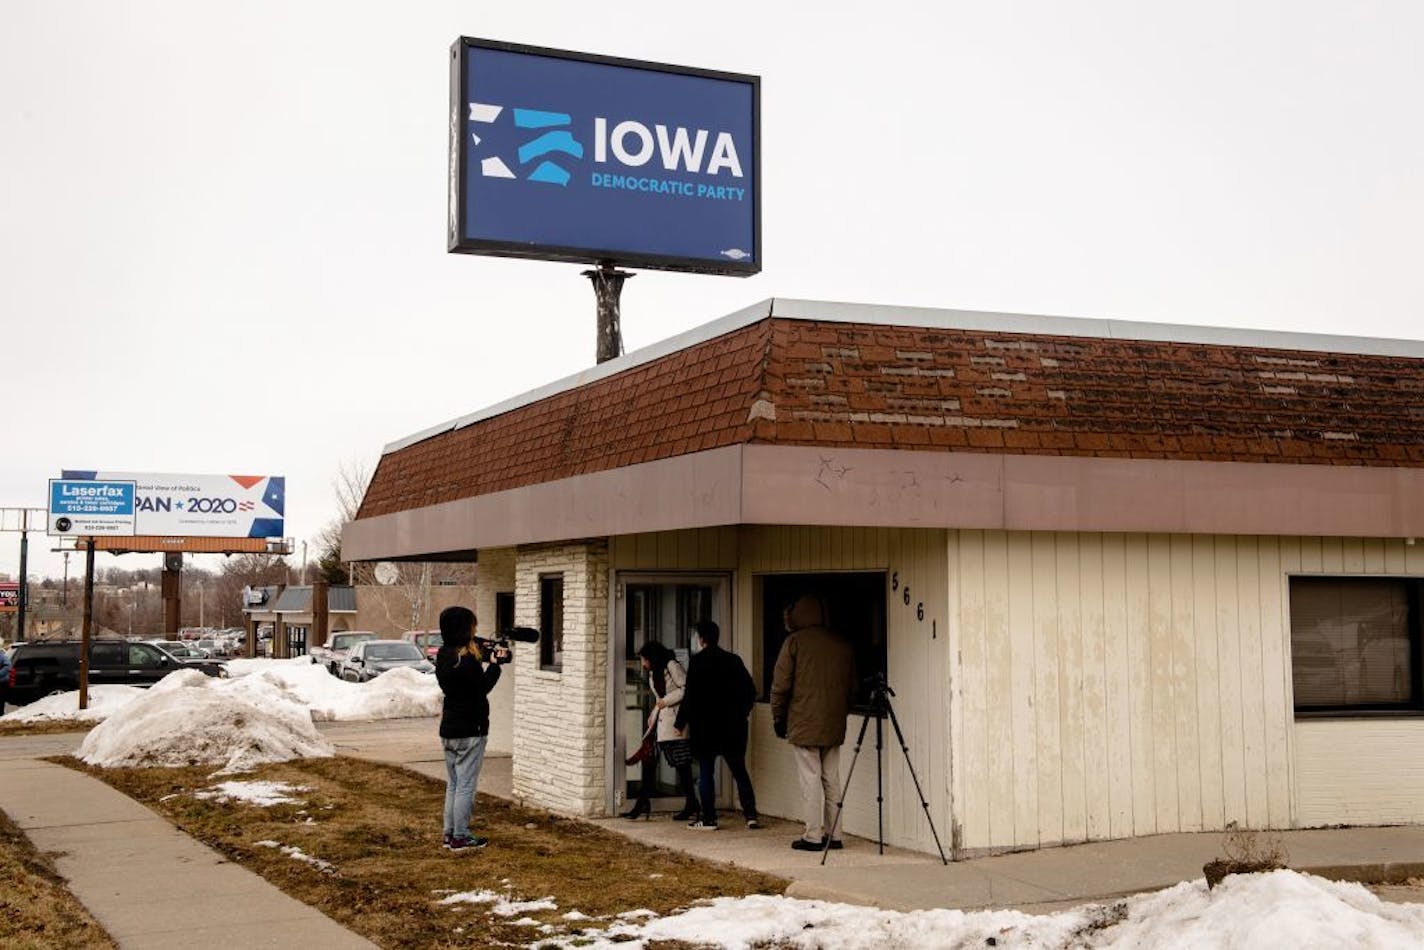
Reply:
x=812, y=687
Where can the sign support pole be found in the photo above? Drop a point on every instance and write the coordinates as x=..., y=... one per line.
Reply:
x=87, y=631
x=24, y=599
x=608, y=288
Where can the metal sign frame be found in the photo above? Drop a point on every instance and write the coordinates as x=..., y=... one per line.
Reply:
x=459, y=170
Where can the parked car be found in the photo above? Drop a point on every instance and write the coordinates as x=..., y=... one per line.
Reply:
x=338, y=645
x=40, y=668
x=371, y=658
x=428, y=640
x=179, y=649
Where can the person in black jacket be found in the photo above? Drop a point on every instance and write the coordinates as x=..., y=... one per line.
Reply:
x=714, y=709
x=464, y=719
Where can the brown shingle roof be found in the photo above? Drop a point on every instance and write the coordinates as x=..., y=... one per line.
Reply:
x=838, y=384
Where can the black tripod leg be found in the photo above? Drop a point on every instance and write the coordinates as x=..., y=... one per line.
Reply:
x=895, y=721
x=879, y=784
x=836, y=822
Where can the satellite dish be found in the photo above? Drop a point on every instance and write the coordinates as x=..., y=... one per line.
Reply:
x=387, y=573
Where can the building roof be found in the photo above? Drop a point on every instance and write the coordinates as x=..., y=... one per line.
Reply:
x=298, y=600
x=799, y=373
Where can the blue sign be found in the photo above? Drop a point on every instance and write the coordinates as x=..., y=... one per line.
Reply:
x=88, y=507
x=569, y=157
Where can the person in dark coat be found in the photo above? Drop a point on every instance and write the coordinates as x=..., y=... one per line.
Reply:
x=812, y=687
x=714, y=710
x=464, y=719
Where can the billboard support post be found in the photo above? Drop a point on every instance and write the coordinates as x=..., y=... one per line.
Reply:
x=608, y=289
x=171, y=586
x=23, y=604
x=87, y=630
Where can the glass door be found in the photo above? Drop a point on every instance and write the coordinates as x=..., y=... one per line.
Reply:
x=661, y=608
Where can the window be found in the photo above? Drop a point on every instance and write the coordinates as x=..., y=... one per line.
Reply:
x=1355, y=644
x=551, y=621
x=855, y=604
x=143, y=656
x=109, y=655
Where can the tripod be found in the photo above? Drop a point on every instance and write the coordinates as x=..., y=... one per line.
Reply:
x=880, y=693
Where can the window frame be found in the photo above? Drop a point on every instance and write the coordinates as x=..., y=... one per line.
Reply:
x=1414, y=632
x=551, y=640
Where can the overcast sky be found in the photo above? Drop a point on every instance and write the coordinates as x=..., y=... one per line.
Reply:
x=222, y=242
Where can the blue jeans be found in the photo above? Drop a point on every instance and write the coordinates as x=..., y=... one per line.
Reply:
x=463, y=758
x=707, y=784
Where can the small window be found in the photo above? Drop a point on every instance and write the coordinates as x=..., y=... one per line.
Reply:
x=855, y=605
x=143, y=656
x=1355, y=644
x=551, y=621
x=109, y=655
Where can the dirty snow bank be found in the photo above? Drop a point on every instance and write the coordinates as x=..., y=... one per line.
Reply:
x=103, y=700
x=398, y=694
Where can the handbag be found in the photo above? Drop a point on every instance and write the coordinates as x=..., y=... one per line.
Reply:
x=678, y=752
x=645, y=749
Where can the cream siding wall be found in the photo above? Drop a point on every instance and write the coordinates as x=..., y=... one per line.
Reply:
x=561, y=745
x=1117, y=685
x=494, y=573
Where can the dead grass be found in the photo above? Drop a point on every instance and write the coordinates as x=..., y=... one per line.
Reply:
x=43, y=728
x=36, y=908
x=379, y=827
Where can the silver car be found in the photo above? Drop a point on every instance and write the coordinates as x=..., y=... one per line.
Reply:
x=371, y=658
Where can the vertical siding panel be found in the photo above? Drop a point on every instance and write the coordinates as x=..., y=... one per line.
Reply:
x=1163, y=688
x=1332, y=555
x=1290, y=550
x=1097, y=775
x=1001, y=699
x=1374, y=555
x=1021, y=645
x=1184, y=679
x=1274, y=670
x=1311, y=556
x=974, y=781
x=1118, y=696
x=1208, y=679
x=1228, y=641
x=1047, y=661
x=1354, y=552
x=1394, y=559
x=1414, y=558
x=1253, y=709
x=1071, y=675
x=1139, y=656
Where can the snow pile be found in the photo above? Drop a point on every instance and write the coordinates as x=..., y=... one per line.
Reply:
x=1278, y=909
x=261, y=794
x=103, y=700
x=398, y=694
x=204, y=724
x=297, y=854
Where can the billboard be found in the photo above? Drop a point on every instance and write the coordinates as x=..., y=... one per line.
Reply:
x=572, y=157
x=9, y=597
x=205, y=506
x=91, y=506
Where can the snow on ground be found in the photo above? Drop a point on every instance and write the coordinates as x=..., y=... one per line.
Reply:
x=1278, y=909
x=297, y=854
x=103, y=700
x=398, y=694
x=261, y=794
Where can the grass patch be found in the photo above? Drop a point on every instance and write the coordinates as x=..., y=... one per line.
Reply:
x=378, y=826
x=36, y=908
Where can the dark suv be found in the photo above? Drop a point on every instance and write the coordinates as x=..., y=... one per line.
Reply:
x=40, y=668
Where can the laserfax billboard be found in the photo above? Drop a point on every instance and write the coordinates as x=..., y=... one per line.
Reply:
x=572, y=157
x=203, y=506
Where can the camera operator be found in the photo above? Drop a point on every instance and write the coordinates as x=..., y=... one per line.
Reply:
x=812, y=687
x=466, y=681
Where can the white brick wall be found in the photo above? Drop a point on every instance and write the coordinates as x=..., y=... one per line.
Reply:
x=561, y=718
x=495, y=573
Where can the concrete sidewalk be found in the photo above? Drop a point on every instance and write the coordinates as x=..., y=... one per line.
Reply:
x=1034, y=881
x=147, y=883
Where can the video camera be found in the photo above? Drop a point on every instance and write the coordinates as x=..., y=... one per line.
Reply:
x=498, y=649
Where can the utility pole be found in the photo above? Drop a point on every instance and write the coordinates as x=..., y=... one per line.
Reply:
x=64, y=593
x=87, y=632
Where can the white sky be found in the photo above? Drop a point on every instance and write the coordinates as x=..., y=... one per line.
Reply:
x=222, y=225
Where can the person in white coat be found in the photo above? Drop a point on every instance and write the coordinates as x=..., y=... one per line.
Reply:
x=668, y=679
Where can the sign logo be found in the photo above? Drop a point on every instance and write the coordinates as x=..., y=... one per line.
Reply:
x=90, y=507
x=565, y=156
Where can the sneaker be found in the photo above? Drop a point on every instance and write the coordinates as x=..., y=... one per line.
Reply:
x=446, y=842
x=685, y=815
x=700, y=825
x=472, y=843
x=753, y=823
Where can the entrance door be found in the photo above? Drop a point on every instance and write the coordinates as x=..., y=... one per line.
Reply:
x=660, y=607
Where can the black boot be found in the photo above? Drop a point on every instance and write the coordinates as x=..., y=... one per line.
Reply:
x=642, y=808
x=689, y=811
